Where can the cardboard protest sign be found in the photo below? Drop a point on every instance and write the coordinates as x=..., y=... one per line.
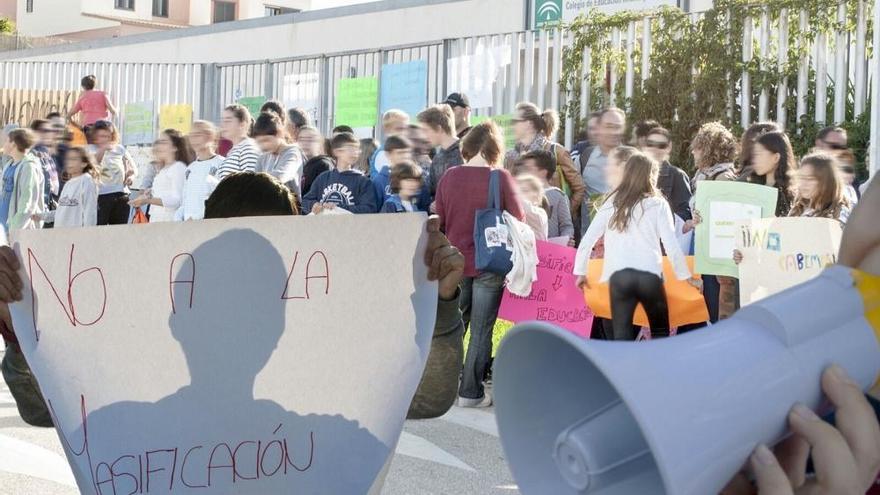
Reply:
x=250, y=356
x=555, y=298
x=404, y=87
x=253, y=104
x=176, y=117
x=138, y=123
x=779, y=253
x=686, y=304
x=357, y=102
x=721, y=204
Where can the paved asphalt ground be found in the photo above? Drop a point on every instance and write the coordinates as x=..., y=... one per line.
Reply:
x=457, y=454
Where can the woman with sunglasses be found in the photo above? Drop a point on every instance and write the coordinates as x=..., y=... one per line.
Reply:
x=673, y=182
x=117, y=170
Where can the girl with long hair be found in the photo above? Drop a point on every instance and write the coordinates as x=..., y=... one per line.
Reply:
x=820, y=189
x=78, y=203
x=773, y=165
x=635, y=220
x=173, y=154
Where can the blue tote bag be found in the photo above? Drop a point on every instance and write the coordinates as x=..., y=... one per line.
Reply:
x=492, y=251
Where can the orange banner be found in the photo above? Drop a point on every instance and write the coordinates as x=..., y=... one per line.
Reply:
x=686, y=304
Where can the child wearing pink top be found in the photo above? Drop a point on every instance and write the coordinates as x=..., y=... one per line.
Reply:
x=94, y=104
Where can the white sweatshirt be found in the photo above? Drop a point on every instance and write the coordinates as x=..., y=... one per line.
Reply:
x=639, y=246
x=78, y=204
x=168, y=186
x=201, y=180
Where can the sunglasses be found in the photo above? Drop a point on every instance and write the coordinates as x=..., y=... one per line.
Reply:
x=848, y=170
x=660, y=145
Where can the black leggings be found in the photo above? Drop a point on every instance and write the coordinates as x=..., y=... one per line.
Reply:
x=629, y=288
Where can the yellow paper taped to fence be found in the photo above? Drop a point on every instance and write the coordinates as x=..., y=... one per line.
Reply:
x=176, y=117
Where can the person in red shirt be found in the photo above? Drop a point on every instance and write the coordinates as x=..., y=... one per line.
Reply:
x=461, y=192
x=95, y=105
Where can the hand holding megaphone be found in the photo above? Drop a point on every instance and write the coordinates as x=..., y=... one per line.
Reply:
x=681, y=416
x=846, y=459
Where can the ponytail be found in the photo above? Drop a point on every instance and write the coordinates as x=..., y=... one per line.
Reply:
x=545, y=124
x=551, y=123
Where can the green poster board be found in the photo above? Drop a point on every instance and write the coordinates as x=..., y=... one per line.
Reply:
x=357, y=102
x=505, y=122
x=139, y=119
x=253, y=104
x=721, y=205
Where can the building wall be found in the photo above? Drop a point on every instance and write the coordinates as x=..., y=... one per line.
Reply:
x=56, y=17
x=8, y=9
x=356, y=27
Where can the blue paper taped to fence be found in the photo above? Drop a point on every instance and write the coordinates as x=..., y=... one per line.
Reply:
x=404, y=87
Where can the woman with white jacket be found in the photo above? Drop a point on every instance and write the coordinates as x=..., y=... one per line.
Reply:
x=172, y=154
x=78, y=204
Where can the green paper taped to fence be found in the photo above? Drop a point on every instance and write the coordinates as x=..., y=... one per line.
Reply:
x=253, y=104
x=505, y=122
x=357, y=102
x=138, y=123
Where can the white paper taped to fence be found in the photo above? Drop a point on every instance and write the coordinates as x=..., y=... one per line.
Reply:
x=253, y=355
x=475, y=75
x=303, y=91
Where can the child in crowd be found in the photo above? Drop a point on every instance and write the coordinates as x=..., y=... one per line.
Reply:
x=820, y=192
x=280, y=159
x=78, y=204
x=635, y=220
x=397, y=149
x=201, y=175
x=312, y=144
x=531, y=192
x=368, y=147
x=117, y=170
x=438, y=122
x=343, y=187
x=166, y=195
x=394, y=123
x=22, y=193
x=406, y=182
x=542, y=165
x=93, y=104
x=243, y=156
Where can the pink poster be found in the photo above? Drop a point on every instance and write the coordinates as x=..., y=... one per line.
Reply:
x=555, y=298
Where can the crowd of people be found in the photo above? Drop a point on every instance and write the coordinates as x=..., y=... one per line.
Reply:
x=614, y=198
x=611, y=197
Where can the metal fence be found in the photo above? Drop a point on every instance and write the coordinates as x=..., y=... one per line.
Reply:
x=126, y=82
x=528, y=64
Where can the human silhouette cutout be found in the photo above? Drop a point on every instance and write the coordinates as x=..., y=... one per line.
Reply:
x=227, y=335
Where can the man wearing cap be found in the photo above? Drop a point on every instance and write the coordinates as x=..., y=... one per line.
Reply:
x=461, y=107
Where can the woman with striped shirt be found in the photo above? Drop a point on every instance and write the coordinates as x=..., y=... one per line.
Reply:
x=235, y=126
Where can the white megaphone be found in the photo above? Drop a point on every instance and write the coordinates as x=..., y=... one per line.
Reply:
x=675, y=416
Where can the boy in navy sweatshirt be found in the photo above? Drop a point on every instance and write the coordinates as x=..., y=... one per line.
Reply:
x=343, y=187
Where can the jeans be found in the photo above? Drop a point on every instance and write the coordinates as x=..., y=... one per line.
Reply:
x=629, y=288
x=23, y=386
x=480, y=299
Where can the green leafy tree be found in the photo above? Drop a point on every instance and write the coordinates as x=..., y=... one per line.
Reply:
x=696, y=67
x=6, y=26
